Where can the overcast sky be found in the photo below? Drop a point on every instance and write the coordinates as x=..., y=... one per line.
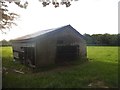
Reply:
x=86, y=16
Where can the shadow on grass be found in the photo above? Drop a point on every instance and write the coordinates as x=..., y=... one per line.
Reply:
x=90, y=74
x=101, y=71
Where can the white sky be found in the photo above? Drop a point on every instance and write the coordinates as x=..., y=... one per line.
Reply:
x=86, y=16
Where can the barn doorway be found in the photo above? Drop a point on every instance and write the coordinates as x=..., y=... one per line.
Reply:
x=67, y=53
x=28, y=56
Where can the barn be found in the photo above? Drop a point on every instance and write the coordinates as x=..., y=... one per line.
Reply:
x=49, y=47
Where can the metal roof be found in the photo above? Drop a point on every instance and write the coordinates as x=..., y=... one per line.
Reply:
x=30, y=36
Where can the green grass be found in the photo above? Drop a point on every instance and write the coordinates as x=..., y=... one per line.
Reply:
x=100, y=71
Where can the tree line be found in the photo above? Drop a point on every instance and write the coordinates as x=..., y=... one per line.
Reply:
x=94, y=39
x=103, y=39
x=5, y=43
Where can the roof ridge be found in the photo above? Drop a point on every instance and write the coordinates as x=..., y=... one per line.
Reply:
x=35, y=34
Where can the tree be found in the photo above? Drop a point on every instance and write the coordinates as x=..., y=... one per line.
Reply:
x=103, y=39
x=88, y=39
x=97, y=39
x=7, y=18
x=118, y=39
x=4, y=43
x=114, y=39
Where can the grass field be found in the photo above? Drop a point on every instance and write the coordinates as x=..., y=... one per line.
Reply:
x=100, y=71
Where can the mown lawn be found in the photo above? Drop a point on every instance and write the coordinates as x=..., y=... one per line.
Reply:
x=100, y=71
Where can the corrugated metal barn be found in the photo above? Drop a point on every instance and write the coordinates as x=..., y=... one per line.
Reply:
x=49, y=47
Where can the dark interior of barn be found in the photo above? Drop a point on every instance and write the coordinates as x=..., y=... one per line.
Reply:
x=27, y=55
x=67, y=53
